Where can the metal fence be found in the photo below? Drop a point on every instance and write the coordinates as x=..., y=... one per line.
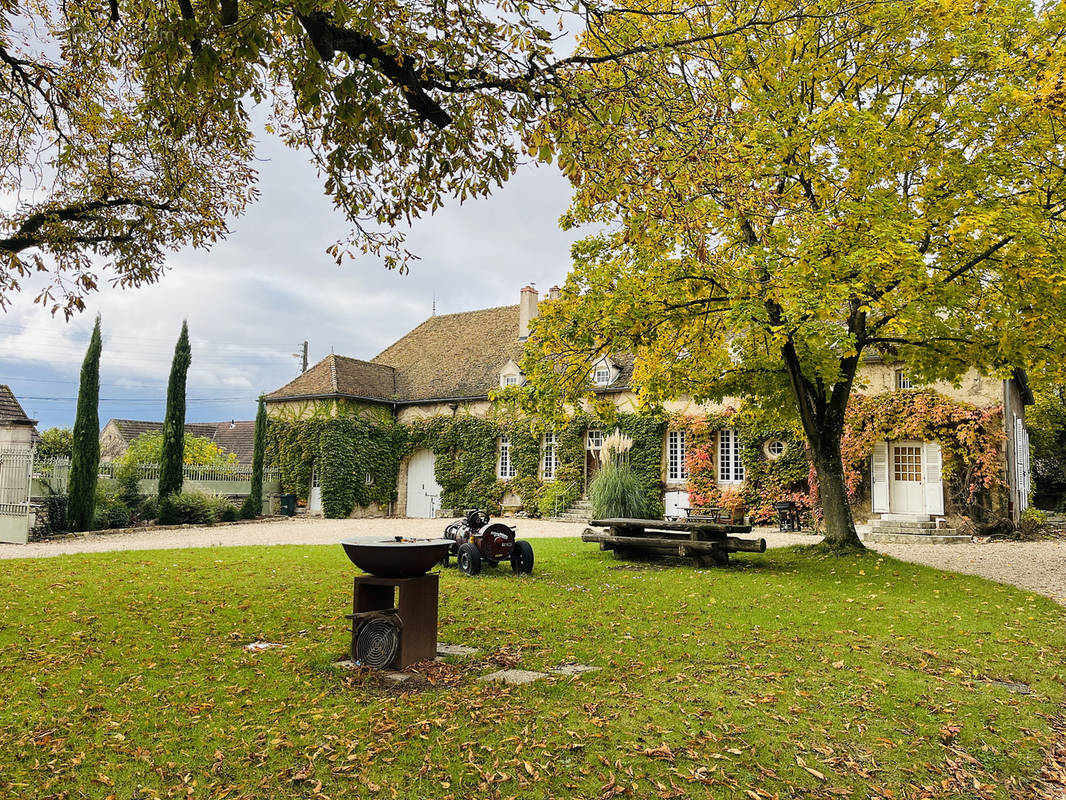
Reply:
x=15, y=466
x=54, y=474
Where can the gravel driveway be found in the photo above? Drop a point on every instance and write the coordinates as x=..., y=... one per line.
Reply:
x=1036, y=566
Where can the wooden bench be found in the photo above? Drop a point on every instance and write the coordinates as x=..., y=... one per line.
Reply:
x=708, y=543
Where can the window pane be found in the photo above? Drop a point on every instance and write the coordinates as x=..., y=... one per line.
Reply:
x=675, y=456
x=549, y=456
x=507, y=469
x=907, y=463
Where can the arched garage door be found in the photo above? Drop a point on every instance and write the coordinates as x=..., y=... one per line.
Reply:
x=423, y=491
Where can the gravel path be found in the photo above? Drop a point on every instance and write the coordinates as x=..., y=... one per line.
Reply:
x=1036, y=566
x=296, y=530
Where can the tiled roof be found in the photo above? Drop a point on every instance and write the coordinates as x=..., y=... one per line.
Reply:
x=11, y=412
x=130, y=429
x=454, y=355
x=238, y=437
x=340, y=375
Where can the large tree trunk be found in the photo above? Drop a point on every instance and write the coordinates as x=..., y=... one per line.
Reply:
x=821, y=410
x=840, y=533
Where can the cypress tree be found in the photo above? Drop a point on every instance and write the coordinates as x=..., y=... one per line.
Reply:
x=170, y=465
x=253, y=506
x=85, y=455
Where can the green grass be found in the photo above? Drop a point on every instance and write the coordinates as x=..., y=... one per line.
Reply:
x=791, y=673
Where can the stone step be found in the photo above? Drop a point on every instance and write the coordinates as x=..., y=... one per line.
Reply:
x=945, y=536
x=913, y=527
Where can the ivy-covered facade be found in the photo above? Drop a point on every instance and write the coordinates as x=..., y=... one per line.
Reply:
x=418, y=431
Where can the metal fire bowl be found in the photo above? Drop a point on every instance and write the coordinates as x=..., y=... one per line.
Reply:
x=389, y=558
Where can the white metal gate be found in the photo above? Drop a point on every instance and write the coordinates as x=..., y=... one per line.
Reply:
x=16, y=469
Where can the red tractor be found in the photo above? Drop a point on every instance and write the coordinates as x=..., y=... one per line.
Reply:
x=475, y=539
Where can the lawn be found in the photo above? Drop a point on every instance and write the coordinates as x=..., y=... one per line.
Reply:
x=789, y=674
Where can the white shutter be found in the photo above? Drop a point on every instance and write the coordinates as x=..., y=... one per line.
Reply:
x=879, y=478
x=934, y=482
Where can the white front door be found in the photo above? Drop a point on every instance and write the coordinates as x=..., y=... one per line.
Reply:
x=314, y=499
x=906, y=478
x=423, y=491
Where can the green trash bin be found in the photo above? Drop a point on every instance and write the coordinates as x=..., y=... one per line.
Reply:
x=288, y=505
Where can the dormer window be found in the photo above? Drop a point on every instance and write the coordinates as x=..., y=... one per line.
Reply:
x=601, y=376
x=511, y=375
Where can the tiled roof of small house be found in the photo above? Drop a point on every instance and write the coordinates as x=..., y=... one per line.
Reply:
x=339, y=375
x=130, y=429
x=454, y=355
x=237, y=437
x=11, y=412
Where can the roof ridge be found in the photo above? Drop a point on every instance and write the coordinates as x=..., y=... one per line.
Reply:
x=333, y=371
x=435, y=319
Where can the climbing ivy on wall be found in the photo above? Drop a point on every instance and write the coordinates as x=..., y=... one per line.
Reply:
x=465, y=450
x=767, y=480
x=345, y=449
x=646, y=455
x=970, y=438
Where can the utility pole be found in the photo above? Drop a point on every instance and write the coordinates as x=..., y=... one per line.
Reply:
x=302, y=354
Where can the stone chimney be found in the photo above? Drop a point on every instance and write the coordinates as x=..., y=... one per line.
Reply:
x=527, y=310
x=554, y=293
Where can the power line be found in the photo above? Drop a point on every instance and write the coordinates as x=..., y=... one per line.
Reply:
x=139, y=399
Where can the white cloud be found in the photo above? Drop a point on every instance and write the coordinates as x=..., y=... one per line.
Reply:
x=252, y=300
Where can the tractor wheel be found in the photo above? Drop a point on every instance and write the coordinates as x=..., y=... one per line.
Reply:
x=522, y=557
x=469, y=559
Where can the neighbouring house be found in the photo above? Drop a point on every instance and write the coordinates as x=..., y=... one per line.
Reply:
x=17, y=435
x=16, y=429
x=415, y=431
x=233, y=436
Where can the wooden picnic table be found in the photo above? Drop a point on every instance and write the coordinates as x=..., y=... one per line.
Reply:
x=706, y=542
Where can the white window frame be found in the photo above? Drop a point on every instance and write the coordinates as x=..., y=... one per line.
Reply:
x=368, y=479
x=550, y=459
x=770, y=448
x=676, y=468
x=601, y=375
x=903, y=380
x=598, y=435
x=510, y=380
x=730, y=467
x=505, y=467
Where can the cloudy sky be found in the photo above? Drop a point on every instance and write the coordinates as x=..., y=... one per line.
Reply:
x=253, y=299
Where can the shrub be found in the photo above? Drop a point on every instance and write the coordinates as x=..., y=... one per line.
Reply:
x=616, y=491
x=56, y=505
x=109, y=509
x=247, y=509
x=128, y=477
x=150, y=507
x=1032, y=524
x=221, y=508
x=185, y=508
x=556, y=498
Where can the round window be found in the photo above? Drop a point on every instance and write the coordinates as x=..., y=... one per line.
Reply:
x=775, y=448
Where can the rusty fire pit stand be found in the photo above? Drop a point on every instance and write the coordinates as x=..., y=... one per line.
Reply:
x=396, y=632
x=707, y=544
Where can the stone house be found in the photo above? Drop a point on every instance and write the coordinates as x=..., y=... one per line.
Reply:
x=17, y=436
x=450, y=365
